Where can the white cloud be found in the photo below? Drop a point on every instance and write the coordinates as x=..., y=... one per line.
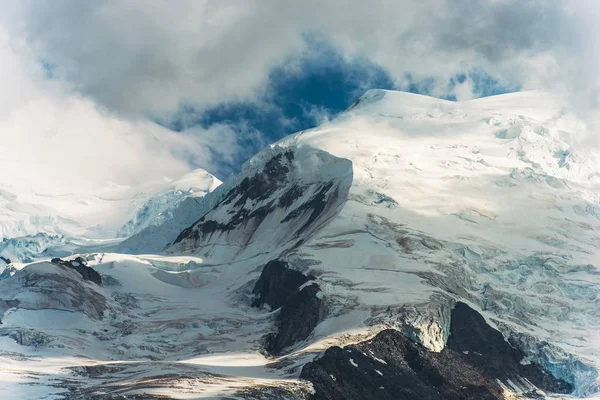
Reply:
x=56, y=141
x=138, y=56
x=464, y=91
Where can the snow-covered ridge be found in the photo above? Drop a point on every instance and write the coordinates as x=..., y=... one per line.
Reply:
x=281, y=198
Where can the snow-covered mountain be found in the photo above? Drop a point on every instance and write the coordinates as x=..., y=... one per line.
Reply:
x=159, y=208
x=36, y=225
x=411, y=248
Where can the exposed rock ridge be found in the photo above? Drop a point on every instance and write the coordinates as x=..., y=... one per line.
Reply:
x=477, y=364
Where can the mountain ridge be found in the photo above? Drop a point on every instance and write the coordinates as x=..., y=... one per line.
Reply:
x=384, y=219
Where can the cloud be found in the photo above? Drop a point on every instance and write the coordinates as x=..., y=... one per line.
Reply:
x=138, y=56
x=464, y=90
x=57, y=141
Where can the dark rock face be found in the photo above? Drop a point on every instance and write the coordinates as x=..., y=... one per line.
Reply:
x=314, y=207
x=79, y=265
x=297, y=318
x=281, y=203
x=301, y=309
x=262, y=186
x=391, y=366
x=257, y=187
x=484, y=347
x=277, y=283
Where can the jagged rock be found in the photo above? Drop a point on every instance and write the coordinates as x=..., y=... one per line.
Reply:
x=270, y=393
x=277, y=283
x=485, y=347
x=476, y=365
x=302, y=304
x=79, y=265
x=297, y=318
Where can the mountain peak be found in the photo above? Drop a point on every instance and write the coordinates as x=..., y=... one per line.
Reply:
x=410, y=238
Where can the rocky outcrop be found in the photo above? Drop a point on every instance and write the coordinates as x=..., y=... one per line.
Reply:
x=79, y=265
x=391, y=366
x=277, y=283
x=258, y=187
x=54, y=287
x=297, y=318
x=270, y=393
x=485, y=348
x=477, y=364
x=300, y=299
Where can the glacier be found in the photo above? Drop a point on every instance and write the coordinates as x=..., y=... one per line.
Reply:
x=392, y=221
x=35, y=225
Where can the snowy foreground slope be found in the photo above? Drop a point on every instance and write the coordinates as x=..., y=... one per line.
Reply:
x=449, y=248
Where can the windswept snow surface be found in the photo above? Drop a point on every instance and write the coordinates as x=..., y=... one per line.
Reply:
x=490, y=202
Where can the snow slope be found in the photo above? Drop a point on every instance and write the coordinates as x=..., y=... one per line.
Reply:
x=396, y=210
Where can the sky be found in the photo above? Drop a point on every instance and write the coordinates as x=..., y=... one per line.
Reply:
x=122, y=92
